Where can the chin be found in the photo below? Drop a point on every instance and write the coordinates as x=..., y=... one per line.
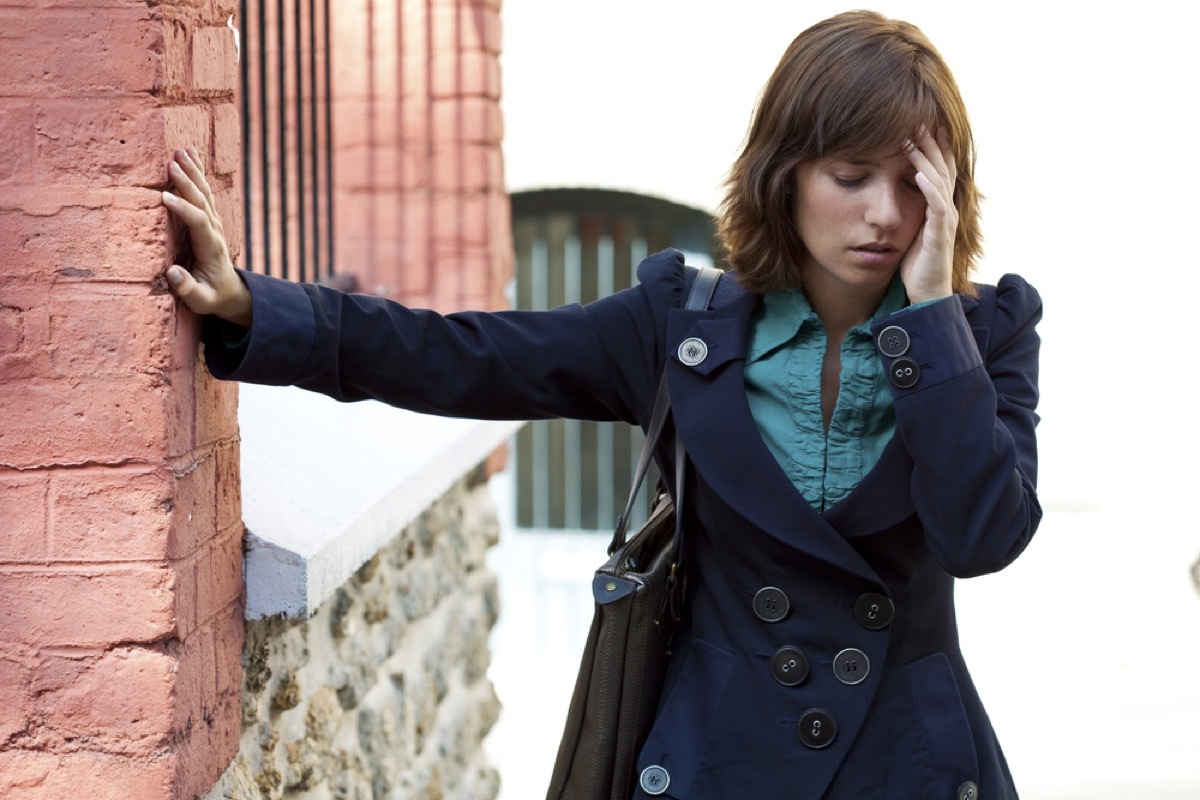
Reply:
x=870, y=277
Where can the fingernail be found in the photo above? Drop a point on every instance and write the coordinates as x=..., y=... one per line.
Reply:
x=174, y=276
x=168, y=198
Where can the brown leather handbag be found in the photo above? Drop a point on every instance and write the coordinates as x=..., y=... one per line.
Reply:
x=639, y=599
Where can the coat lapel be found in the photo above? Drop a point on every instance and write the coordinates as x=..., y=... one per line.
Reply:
x=711, y=414
x=882, y=499
x=710, y=411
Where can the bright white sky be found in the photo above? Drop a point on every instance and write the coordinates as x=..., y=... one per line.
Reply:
x=1084, y=120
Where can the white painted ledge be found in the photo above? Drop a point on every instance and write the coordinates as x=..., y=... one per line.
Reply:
x=325, y=485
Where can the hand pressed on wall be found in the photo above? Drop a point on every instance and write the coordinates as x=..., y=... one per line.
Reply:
x=213, y=285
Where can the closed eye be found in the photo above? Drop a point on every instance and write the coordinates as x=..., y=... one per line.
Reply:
x=848, y=183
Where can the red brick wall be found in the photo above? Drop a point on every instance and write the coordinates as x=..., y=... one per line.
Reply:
x=120, y=533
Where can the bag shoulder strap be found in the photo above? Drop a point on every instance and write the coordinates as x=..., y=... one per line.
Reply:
x=698, y=300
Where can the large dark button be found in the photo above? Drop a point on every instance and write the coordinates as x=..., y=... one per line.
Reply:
x=816, y=728
x=874, y=611
x=771, y=604
x=904, y=373
x=789, y=666
x=968, y=791
x=654, y=780
x=893, y=341
x=851, y=666
x=692, y=351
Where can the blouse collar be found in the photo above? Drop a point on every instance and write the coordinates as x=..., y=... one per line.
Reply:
x=785, y=314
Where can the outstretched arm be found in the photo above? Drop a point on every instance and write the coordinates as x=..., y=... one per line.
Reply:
x=213, y=285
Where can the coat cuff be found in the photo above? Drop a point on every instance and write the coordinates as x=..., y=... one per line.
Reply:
x=279, y=341
x=925, y=346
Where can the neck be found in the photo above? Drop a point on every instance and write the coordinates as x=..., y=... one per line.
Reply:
x=842, y=307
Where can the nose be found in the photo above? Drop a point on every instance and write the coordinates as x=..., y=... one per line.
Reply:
x=884, y=206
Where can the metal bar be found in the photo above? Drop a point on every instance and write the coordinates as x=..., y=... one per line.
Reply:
x=301, y=199
x=244, y=75
x=312, y=120
x=328, y=140
x=281, y=81
x=264, y=143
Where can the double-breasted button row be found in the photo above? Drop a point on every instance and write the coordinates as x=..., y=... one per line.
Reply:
x=851, y=666
x=893, y=342
x=872, y=610
x=790, y=667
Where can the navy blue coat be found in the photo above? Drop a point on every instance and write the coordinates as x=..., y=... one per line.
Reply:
x=953, y=495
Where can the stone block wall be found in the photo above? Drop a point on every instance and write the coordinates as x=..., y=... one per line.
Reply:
x=383, y=692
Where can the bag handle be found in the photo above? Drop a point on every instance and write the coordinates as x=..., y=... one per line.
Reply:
x=698, y=300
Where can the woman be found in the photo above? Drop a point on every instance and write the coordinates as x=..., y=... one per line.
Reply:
x=859, y=423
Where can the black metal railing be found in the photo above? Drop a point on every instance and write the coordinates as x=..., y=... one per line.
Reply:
x=287, y=135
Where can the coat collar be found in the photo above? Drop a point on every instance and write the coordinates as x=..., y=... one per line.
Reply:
x=710, y=411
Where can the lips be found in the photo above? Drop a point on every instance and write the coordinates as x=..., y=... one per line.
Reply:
x=875, y=253
x=876, y=247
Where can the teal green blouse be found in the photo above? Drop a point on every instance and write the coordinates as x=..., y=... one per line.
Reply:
x=783, y=387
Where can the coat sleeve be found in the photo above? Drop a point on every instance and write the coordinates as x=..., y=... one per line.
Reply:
x=969, y=423
x=585, y=362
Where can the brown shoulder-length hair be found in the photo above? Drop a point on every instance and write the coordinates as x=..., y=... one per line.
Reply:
x=855, y=84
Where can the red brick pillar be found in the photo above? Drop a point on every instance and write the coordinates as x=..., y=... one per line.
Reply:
x=120, y=533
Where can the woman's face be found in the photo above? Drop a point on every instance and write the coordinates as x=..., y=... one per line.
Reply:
x=857, y=217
